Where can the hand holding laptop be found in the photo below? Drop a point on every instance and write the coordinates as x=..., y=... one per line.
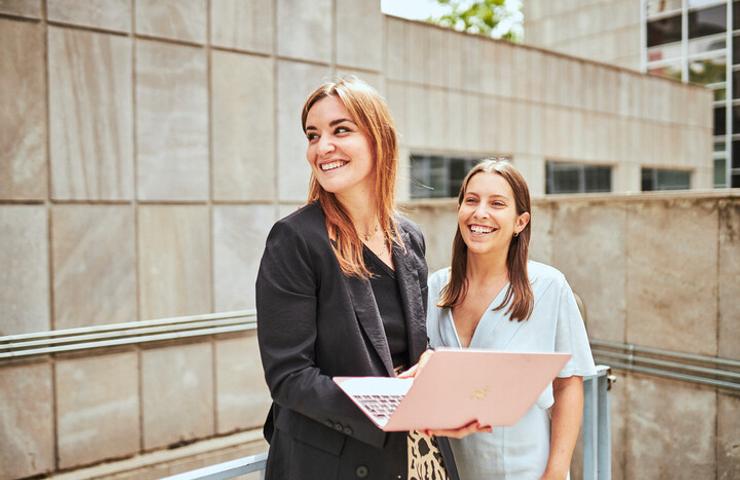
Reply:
x=448, y=389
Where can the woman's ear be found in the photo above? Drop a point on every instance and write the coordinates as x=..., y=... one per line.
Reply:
x=521, y=222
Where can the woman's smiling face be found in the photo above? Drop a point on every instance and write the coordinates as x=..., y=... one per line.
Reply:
x=338, y=150
x=487, y=216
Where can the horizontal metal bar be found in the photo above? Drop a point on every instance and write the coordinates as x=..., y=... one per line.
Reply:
x=665, y=363
x=122, y=333
x=129, y=341
x=128, y=325
x=666, y=353
x=225, y=470
x=677, y=376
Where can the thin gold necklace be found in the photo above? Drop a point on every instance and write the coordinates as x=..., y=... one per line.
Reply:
x=367, y=236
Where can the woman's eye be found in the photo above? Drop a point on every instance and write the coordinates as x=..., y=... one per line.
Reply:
x=499, y=204
x=469, y=200
x=311, y=137
x=342, y=130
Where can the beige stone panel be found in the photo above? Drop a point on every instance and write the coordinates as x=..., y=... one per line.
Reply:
x=305, y=33
x=504, y=124
x=472, y=128
x=418, y=117
x=177, y=394
x=243, y=399
x=458, y=122
x=541, y=243
x=23, y=173
x=729, y=273
x=487, y=108
x=359, y=34
x=104, y=14
x=295, y=82
x=416, y=45
x=172, y=122
x=395, y=53
x=395, y=96
x=455, y=68
x=671, y=429
x=97, y=408
x=174, y=263
x=239, y=234
x=24, y=264
x=27, y=433
x=174, y=19
x=520, y=126
x=93, y=259
x=505, y=57
x=243, y=24
x=532, y=168
x=438, y=58
x=671, y=284
x=728, y=436
x=286, y=209
x=626, y=177
x=521, y=61
x=91, y=119
x=490, y=68
x=243, y=111
x=438, y=122
x=23, y=8
x=439, y=224
x=586, y=237
x=534, y=129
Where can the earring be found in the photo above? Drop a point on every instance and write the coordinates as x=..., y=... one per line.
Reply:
x=516, y=234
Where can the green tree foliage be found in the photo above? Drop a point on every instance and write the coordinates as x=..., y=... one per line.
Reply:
x=480, y=16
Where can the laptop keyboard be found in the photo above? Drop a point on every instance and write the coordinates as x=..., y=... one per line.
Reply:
x=379, y=406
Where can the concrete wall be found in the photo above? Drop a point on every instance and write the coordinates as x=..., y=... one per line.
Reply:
x=602, y=30
x=656, y=270
x=147, y=147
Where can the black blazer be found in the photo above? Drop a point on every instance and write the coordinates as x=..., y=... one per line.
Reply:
x=315, y=323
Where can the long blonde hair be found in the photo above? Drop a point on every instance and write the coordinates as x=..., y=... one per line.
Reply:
x=516, y=258
x=370, y=112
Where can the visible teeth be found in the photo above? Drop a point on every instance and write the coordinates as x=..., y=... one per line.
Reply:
x=479, y=229
x=332, y=165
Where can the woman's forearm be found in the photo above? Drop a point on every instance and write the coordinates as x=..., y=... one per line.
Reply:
x=567, y=414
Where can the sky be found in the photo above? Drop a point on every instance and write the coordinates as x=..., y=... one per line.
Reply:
x=423, y=9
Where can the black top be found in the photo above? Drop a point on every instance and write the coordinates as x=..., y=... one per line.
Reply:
x=388, y=298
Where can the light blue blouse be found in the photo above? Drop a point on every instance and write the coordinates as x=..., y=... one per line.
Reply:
x=518, y=452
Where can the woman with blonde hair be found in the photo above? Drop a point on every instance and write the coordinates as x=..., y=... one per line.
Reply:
x=341, y=291
x=494, y=297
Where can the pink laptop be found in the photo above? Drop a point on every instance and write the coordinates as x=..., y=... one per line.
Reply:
x=456, y=387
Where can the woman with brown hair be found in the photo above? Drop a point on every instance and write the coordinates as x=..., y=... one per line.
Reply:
x=494, y=297
x=341, y=291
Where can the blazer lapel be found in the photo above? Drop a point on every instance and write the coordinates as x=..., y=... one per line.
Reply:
x=408, y=286
x=366, y=309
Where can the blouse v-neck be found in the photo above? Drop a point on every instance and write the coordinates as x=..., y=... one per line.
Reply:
x=495, y=302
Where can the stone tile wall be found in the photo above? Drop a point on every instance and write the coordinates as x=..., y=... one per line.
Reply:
x=147, y=146
x=653, y=270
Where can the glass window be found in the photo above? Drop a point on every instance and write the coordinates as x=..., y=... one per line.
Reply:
x=704, y=45
x=719, y=146
x=664, y=52
x=720, y=94
x=563, y=177
x=703, y=3
x=437, y=176
x=719, y=120
x=735, y=119
x=735, y=15
x=735, y=180
x=708, y=70
x=672, y=70
x=735, y=154
x=720, y=172
x=665, y=30
x=707, y=21
x=736, y=49
x=665, y=179
x=736, y=84
x=655, y=7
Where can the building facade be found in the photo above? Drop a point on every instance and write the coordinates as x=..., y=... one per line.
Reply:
x=692, y=41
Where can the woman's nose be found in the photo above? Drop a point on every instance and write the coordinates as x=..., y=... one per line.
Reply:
x=325, y=145
x=481, y=211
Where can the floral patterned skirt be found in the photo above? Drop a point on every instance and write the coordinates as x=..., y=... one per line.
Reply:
x=425, y=459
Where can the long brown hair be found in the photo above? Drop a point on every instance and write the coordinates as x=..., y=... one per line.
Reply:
x=369, y=111
x=516, y=259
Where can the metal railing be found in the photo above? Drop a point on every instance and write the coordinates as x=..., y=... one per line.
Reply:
x=596, y=439
x=129, y=333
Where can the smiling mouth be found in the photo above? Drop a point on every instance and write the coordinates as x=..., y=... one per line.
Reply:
x=480, y=229
x=326, y=167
